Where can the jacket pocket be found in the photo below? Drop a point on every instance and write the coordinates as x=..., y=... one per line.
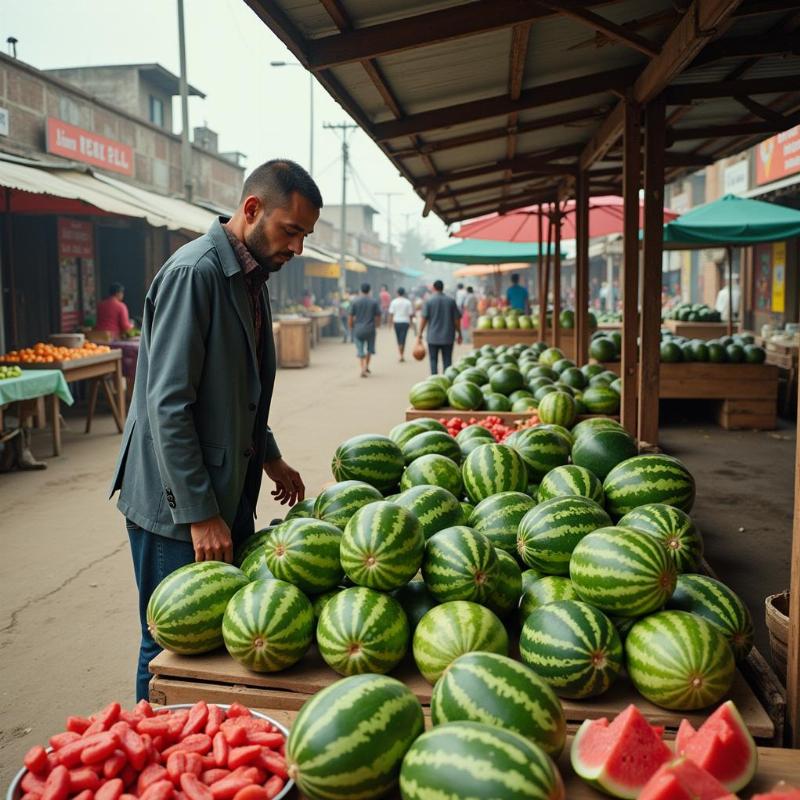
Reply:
x=213, y=455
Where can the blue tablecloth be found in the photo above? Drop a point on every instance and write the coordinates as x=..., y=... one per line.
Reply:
x=35, y=383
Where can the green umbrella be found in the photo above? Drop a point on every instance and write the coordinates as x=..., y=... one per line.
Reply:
x=485, y=251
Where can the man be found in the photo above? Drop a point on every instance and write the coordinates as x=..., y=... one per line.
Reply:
x=469, y=314
x=723, y=300
x=440, y=316
x=197, y=438
x=365, y=317
x=461, y=296
x=385, y=300
x=112, y=313
x=517, y=295
x=401, y=312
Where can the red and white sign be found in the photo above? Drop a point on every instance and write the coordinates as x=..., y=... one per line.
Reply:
x=72, y=142
x=778, y=156
x=75, y=238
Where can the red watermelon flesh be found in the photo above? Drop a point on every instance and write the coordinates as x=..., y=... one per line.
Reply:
x=722, y=746
x=619, y=757
x=682, y=779
x=780, y=792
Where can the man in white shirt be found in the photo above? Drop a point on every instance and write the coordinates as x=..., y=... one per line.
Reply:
x=461, y=296
x=401, y=312
x=722, y=301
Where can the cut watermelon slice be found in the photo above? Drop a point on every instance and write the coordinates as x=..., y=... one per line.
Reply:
x=780, y=792
x=722, y=746
x=682, y=779
x=619, y=758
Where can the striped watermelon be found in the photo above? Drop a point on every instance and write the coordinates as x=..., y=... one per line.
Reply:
x=556, y=429
x=678, y=660
x=268, y=625
x=371, y=458
x=550, y=356
x=472, y=374
x=549, y=589
x=601, y=400
x=431, y=442
x=465, y=396
x=542, y=450
x=506, y=380
x=497, y=690
x=430, y=424
x=382, y=546
x=524, y=404
x=416, y=600
x=467, y=508
x=529, y=577
x=433, y=470
x=557, y=408
x=319, y=601
x=624, y=625
x=253, y=542
x=474, y=431
x=506, y=586
x=185, y=611
x=427, y=394
x=305, y=553
x=401, y=433
x=255, y=565
x=475, y=760
x=337, y=503
x=473, y=443
x=434, y=507
x=442, y=380
x=549, y=532
x=571, y=480
x=498, y=517
x=595, y=424
x=459, y=564
x=623, y=572
x=718, y=604
x=332, y=751
x=361, y=630
x=674, y=528
x=452, y=629
x=493, y=468
x=601, y=451
x=648, y=479
x=573, y=646
x=305, y=508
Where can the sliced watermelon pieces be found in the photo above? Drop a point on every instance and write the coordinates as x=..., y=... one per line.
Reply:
x=722, y=746
x=619, y=757
x=682, y=779
x=780, y=792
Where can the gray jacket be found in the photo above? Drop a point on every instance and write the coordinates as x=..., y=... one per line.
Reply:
x=196, y=435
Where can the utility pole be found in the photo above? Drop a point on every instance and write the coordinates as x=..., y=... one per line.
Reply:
x=344, y=129
x=389, y=196
x=311, y=123
x=186, y=147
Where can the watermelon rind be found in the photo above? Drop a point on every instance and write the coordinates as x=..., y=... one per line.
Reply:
x=498, y=516
x=371, y=458
x=505, y=587
x=339, y=501
x=433, y=470
x=493, y=468
x=648, y=479
x=549, y=589
x=434, y=507
x=416, y=600
x=571, y=480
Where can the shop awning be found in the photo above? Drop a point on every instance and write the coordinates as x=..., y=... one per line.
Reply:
x=315, y=269
x=485, y=251
x=481, y=270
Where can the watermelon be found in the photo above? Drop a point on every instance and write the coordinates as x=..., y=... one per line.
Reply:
x=723, y=746
x=467, y=508
x=529, y=577
x=506, y=380
x=268, y=625
x=449, y=630
x=184, y=613
x=305, y=508
x=431, y=442
x=718, y=604
x=601, y=451
x=595, y=424
x=361, y=630
x=682, y=779
x=573, y=646
x=573, y=377
x=498, y=517
x=619, y=757
x=371, y=458
x=339, y=501
x=472, y=375
x=542, y=371
x=474, y=431
x=465, y=396
x=427, y=394
x=430, y=424
x=382, y=546
x=349, y=738
x=590, y=370
x=459, y=564
x=520, y=394
x=494, y=401
x=319, y=601
x=416, y=600
x=434, y=507
x=253, y=542
x=674, y=528
x=603, y=349
x=543, y=391
x=571, y=480
x=549, y=589
x=505, y=587
x=648, y=479
x=601, y=399
x=442, y=380
x=433, y=470
x=493, y=468
x=524, y=404
x=678, y=660
x=623, y=572
x=497, y=690
x=401, y=433
x=557, y=408
x=255, y=566
x=541, y=449
x=549, y=532
x=550, y=356
x=559, y=429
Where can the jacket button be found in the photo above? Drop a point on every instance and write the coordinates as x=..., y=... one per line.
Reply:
x=252, y=406
x=248, y=453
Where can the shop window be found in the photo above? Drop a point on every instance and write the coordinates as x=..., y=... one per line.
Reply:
x=157, y=111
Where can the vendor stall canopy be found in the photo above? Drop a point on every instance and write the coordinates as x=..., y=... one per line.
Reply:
x=491, y=105
x=485, y=251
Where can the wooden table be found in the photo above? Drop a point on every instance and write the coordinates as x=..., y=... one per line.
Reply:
x=527, y=336
x=508, y=417
x=697, y=330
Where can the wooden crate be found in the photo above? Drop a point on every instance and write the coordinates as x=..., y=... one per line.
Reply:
x=294, y=343
x=697, y=330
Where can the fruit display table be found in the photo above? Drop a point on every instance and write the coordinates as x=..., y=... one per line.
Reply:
x=508, y=417
x=510, y=336
x=319, y=321
x=697, y=330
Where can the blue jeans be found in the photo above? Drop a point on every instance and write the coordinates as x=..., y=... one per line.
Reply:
x=447, y=356
x=365, y=345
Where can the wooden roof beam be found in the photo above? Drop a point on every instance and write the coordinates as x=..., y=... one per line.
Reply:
x=754, y=8
x=485, y=187
x=748, y=47
x=766, y=113
x=685, y=93
x=488, y=206
x=711, y=132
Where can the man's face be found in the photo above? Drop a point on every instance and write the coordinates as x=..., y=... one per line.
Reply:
x=273, y=237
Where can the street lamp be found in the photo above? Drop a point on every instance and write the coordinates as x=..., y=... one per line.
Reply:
x=310, y=109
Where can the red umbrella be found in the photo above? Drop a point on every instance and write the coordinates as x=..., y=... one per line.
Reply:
x=521, y=225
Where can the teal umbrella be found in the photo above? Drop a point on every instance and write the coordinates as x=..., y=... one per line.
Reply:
x=486, y=251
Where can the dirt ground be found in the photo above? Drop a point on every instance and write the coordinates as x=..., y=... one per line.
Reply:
x=68, y=621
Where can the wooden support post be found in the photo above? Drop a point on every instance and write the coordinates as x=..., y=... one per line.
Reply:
x=557, y=277
x=631, y=169
x=793, y=660
x=729, y=254
x=543, y=311
x=650, y=323
x=540, y=268
x=582, y=268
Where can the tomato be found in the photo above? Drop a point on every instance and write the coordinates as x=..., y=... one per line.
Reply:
x=196, y=722
x=196, y=743
x=273, y=763
x=114, y=764
x=36, y=759
x=195, y=789
x=56, y=786
x=144, y=708
x=239, y=756
x=83, y=778
x=213, y=775
x=235, y=735
x=274, y=786
x=265, y=739
x=150, y=774
x=111, y=790
x=216, y=716
x=160, y=790
x=220, y=749
x=238, y=710
x=155, y=726
x=78, y=724
x=99, y=747
x=60, y=740
x=86, y=794
x=70, y=754
x=252, y=793
x=109, y=715
x=227, y=788
x=131, y=743
x=32, y=784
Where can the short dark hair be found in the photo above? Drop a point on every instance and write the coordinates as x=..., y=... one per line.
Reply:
x=115, y=288
x=515, y=278
x=438, y=285
x=470, y=290
x=365, y=287
x=401, y=291
x=275, y=181
x=460, y=286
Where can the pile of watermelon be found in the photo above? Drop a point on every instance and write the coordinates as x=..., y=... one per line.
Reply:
x=520, y=378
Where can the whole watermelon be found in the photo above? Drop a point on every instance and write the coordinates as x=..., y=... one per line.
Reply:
x=337, y=503
x=433, y=470
x=571, y=480
x=429, y=442
x=427, y=394
x=648, y=479
x=371, y=458
x=505, y=587
x=498, y=517
x=601, y=451
x=493, y=468
x=541, y=450
x=557, y=408
x=416, y=600
x=434, y=507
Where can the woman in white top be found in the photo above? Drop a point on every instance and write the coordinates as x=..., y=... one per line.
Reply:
x=401, y=312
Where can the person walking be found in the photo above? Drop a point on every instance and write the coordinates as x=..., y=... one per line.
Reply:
x=197, y=436
x=440, y=316
x=401, y=312
x=365, y=317
x=461, y=296
x=385, y=301
x=517, y=295
x=469, y=315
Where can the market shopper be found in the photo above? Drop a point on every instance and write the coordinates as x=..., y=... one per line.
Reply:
x=440, y=316
x=517, y=295
x=197, y=436
x=469, y=314
x=112, y=313
x=365, y=318
x=385, y=299
x=401, y=312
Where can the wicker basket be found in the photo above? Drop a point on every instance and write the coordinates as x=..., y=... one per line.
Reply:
x=777, y=618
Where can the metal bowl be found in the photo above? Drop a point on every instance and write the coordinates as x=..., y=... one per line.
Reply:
x=15, y=788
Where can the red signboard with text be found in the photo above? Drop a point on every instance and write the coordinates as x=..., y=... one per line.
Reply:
x=778, y=156
x=78, y=144
x=76, y=271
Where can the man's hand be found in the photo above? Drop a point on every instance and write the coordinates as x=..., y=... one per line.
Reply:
x=212, y=540
x=289, y=486
x=459, y=337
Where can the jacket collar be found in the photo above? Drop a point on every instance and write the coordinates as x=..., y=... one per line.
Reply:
x=227, y=258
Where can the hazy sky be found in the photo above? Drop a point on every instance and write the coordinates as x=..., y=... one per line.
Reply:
x=259, y=110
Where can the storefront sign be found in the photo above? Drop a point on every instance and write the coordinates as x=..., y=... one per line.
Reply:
x=778, y=156
x=75, y=238
x=315, y=269
x=778, y=277
x=3, y=122
x=762, y=277
x=736, y=178
x=76, y=270
x=72, y=142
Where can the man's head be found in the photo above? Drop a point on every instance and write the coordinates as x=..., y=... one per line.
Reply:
x=438, y=286
x=279, y=207
x=459, y=286
x=470, y=290
x=116, y=290
x=365, y=287
x=401, y=292
x=515, y=279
